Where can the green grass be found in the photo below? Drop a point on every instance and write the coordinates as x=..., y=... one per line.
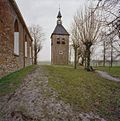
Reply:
x=11, y=82
x=86, y=91
x=114, y=71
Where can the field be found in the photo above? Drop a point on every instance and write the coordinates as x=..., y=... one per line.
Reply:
x=86, y=91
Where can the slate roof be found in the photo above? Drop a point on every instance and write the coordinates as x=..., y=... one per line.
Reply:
x=60, y=30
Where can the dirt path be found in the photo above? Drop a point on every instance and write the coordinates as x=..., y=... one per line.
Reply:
x=36, y=101
x=107, y=76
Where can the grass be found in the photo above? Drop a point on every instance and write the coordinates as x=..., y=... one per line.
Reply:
x=114, y=71
x=11, y=82
x=86, y=91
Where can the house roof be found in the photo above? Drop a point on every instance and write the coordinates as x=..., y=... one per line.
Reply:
x=60, y=30
x=16, y=8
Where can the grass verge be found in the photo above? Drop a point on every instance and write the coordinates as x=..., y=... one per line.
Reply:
x=11, y=82
x=114, y=71
x=86, y=91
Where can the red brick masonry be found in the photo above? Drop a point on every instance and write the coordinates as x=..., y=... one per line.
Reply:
x=9, y=62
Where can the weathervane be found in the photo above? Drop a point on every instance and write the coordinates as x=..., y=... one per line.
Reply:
x=59, y=7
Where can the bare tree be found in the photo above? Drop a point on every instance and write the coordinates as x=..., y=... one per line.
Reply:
x=38, y=37
x=81, y=54
x=111, y=12
x=75, y=42
x=103, y=42
x=110, y=19
x=88, y=24
x=109, y=42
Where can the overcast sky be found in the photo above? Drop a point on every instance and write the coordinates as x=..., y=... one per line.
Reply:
x=44, y=12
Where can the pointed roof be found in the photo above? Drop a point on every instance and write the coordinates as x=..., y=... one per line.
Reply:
x=60, y=30
x=59, y=15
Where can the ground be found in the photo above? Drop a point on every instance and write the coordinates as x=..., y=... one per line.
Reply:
x=55, y=93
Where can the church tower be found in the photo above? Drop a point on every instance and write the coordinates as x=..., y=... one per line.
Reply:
x=59, y=43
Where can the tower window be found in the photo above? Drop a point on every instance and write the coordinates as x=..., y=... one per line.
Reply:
x=58, y=42
x=63, y=42
x=61, y=52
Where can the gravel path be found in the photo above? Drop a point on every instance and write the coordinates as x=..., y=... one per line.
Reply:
x=107, y=76
x=36, y=101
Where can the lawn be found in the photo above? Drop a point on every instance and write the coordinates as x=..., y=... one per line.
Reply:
x=11, y=82
x=86, y=91
x=114, y=71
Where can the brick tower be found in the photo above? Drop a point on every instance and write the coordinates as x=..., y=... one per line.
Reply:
x=59, y=43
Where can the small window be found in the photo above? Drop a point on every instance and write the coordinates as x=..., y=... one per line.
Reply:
x=61, y=52
x=63, y=42
x=58, y=42
x=58, y=38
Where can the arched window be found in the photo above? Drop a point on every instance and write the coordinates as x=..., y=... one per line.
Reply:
x=26, y=46
x=16, y=38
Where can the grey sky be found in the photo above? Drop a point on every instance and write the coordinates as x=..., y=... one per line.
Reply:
x=44, y=12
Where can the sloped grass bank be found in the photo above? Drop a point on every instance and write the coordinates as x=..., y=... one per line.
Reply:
x=113, y=71
x=11, y=82
x=86, y=91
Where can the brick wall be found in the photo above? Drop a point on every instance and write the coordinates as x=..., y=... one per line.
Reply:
x=57, y=57
x=9, y=62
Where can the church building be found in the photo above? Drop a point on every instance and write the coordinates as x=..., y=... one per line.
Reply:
x=59, y=44
x=15, y=39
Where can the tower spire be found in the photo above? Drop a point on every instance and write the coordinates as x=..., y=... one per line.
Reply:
x=59, y=16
